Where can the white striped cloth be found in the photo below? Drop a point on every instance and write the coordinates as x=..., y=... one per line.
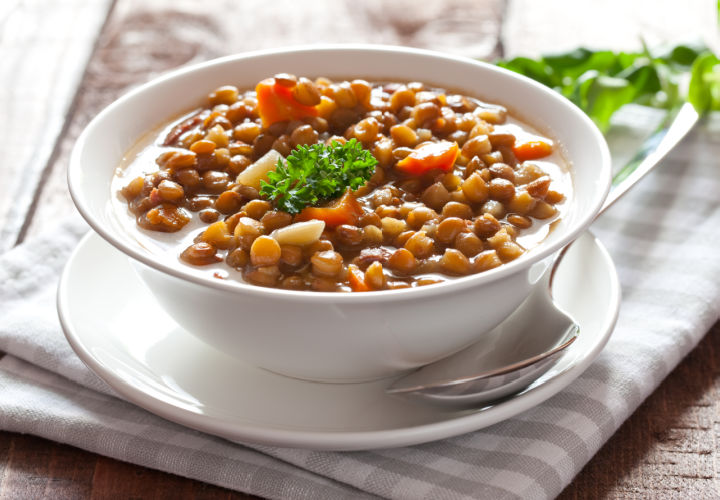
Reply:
x=664, y=238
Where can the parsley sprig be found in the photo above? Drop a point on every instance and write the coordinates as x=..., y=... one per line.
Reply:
x=316, y=173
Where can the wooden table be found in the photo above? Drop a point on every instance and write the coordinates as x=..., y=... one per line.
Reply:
x=65, y=60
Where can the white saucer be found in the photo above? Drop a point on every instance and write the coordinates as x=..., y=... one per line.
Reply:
x=139, y=351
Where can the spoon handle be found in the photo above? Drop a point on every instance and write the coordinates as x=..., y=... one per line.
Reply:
x=654, y=149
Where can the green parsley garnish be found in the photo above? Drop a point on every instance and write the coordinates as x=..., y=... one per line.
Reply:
x=316, y=173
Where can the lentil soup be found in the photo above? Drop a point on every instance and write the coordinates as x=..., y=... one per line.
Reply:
x=452, y=185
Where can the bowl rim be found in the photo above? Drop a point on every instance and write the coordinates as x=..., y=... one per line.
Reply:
x=538, y=253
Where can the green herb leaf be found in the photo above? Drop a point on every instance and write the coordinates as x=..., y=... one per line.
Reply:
x=316, y=173
x=704, y=87
x=601, y=82
x=606, y=95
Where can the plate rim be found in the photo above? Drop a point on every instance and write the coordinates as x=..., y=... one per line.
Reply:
x=252, y=433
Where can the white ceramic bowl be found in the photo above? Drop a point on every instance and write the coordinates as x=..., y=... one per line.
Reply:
x=337, y=337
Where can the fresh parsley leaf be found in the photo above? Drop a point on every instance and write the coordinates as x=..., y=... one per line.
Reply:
x=704, y=88
x=601, y=82
x=317, y=173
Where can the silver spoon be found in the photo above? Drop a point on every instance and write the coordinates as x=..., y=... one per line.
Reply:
x=474, y=375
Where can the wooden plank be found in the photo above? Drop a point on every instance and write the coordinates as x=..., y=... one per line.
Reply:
x=145, y=39
x=44, y=46
x=35, y=468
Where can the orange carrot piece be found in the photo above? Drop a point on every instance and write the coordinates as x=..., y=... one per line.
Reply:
x=276, y=103
x=346, y=210
x=532, y=150
x=356, y=278
x=430, y=156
